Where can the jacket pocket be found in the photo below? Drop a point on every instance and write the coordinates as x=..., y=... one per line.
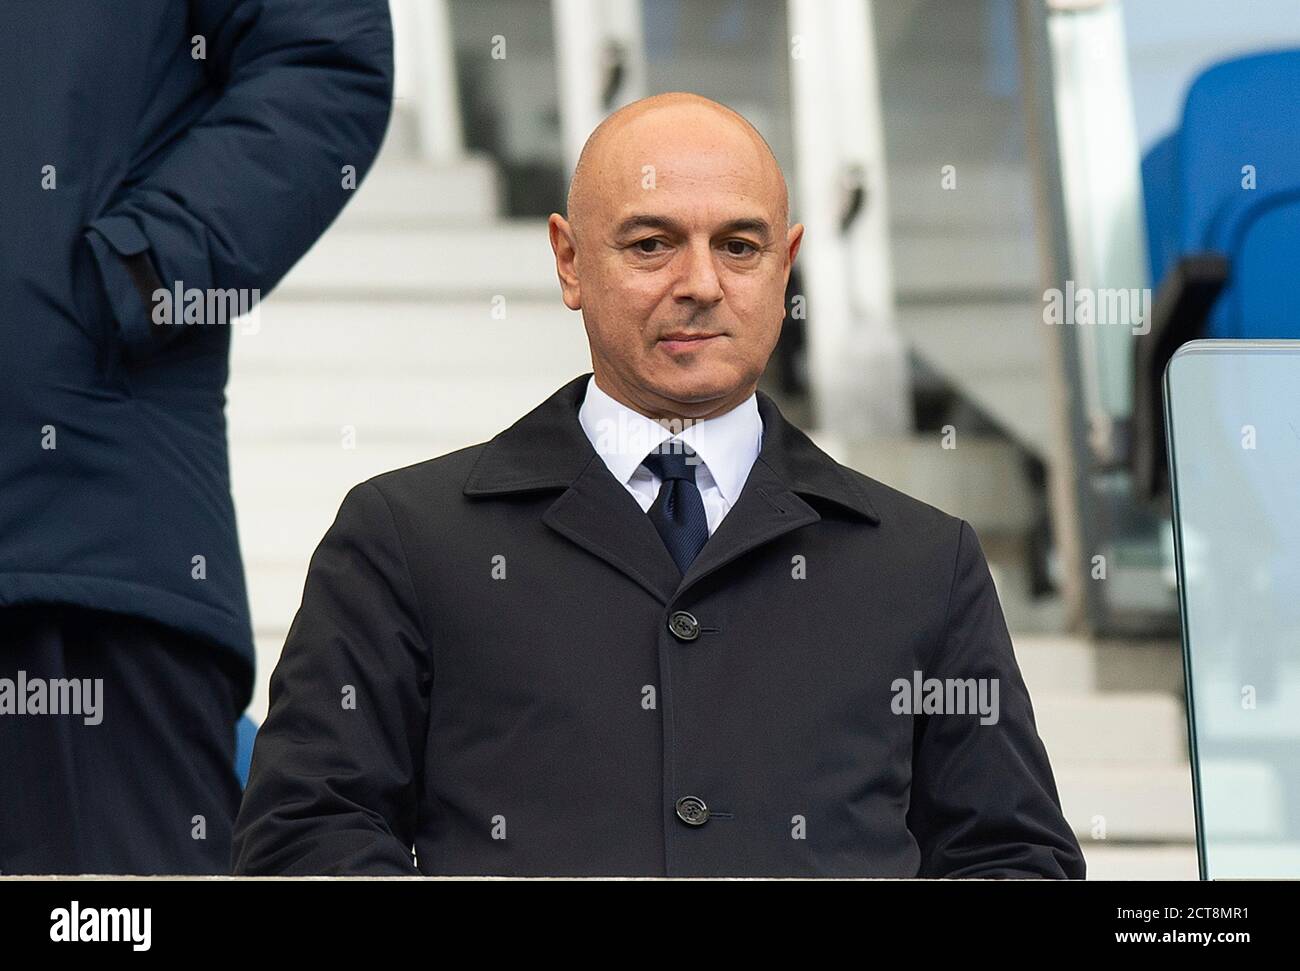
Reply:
x=92, y=311
x=128, y=281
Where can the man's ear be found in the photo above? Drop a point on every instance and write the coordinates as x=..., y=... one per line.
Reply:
x=565, y=246
x=794, y=240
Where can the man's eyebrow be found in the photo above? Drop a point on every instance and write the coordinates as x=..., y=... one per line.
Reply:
x=646, y=221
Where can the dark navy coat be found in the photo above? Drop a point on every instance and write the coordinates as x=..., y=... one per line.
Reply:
x=497, y=663
x=126, y=161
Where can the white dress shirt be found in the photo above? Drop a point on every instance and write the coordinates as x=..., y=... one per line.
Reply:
x=727, y=446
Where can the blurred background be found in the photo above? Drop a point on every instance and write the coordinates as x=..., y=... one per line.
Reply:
x=955, y=163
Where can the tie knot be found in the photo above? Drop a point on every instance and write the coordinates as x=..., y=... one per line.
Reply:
x=672, y=460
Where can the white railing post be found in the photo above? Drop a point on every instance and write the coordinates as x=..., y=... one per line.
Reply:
x=857, y=364
x=1101, y=180
x=425, y=87
x=589, y=36
x=441, y=136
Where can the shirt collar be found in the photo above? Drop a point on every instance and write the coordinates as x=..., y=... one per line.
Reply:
x=547, y=449
x=727, y=444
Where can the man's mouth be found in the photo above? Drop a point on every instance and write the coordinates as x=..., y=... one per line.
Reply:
x=683, y=341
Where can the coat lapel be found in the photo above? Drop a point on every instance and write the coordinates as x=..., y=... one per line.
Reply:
x=765, y=509
x=548, y=450
x=599, y=514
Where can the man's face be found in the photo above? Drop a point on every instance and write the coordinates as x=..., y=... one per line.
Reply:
x=681, y=266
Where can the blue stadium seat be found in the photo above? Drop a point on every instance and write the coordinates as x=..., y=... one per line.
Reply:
x=1223, y=231
x=245, y=734
x=1159, y=178
x=1265, y=242
x=1239, y=113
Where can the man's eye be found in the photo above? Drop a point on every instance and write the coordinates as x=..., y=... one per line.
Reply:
x=740, y=242
x=643, y=242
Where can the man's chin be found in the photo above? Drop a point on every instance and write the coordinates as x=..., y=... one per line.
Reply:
x=698, y=384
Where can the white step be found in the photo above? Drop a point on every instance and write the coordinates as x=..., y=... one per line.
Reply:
x=267, y=649
x=291, y=338
x=1143, y=803
x=403, y=408
x=1022, y=609
x=275, y=593
x=400, y=191
x=939, y=262
x=286, y=495
x=981, y=480
x=1129, y=728
x=510, y=257
x=1118, y=861
x=402, y=139
x=996, y=354
x=988, y=195
x=1055, y=664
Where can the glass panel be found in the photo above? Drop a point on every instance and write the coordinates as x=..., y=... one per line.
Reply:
x=1234, y=414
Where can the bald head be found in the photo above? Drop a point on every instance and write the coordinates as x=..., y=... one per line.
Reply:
x=677, y=249
x=624, y=144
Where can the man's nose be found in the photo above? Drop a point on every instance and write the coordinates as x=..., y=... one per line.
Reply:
x=699, y=275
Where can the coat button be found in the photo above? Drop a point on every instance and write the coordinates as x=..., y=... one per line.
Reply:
x=683, y=626
x=692, y=811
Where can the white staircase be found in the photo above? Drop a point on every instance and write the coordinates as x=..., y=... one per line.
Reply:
x=417, y=325
x=1119, y=758
x=382, y=348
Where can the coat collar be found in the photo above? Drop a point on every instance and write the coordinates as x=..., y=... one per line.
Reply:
x=547, y=449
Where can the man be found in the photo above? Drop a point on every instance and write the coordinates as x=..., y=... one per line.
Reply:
x=148, y=149
x=569, y=652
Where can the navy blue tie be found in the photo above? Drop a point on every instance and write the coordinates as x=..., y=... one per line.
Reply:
x=678, y=510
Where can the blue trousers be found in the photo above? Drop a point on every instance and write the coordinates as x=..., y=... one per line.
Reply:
x=117, y=739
